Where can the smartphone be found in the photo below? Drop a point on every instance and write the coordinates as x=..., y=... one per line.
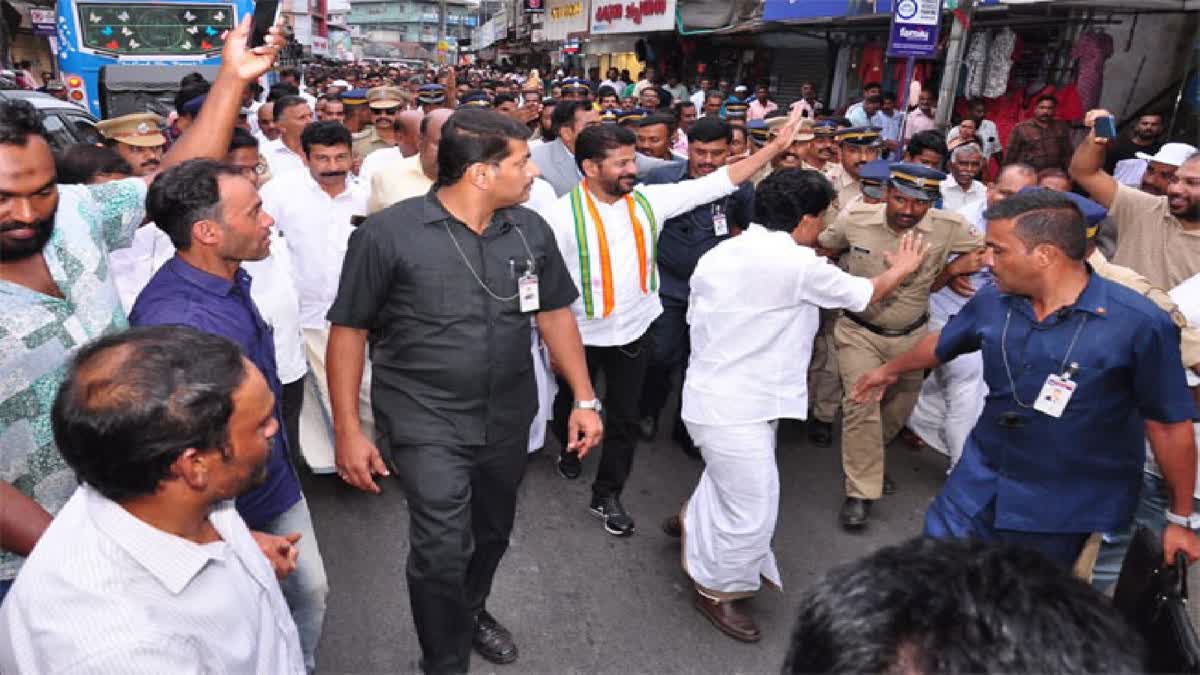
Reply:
x=264, y=18
x=1106, y=127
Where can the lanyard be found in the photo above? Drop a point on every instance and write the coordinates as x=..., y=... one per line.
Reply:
x=475, y=274
x=1062, y=368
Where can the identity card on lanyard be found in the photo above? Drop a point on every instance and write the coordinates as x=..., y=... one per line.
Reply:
x=527, y=290
x=1056, y=392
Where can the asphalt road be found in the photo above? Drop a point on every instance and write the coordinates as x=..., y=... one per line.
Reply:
x=581, y=601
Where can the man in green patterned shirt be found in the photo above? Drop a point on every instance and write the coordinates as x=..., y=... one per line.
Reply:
x=56, y=290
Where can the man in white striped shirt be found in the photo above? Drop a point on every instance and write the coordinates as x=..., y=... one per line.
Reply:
x=148, y=568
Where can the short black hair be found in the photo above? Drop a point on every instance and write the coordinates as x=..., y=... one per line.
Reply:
x=877, y=99
x=194, y=89
x=656, y=119
x=185, y=194
x=502, y=99
x=594, y=142
x=710, y=130
x=474, y=135
x=1045, y=97
x=192, y=79
x=735, y=129
x=80, y=163
x=606, y=90
x=887, y=96
x=927, y=140
x=564, y=113
x=281, y=90
x=1044, y=217
x=714, y=94
x=786, y=196
x=133, y=402
x=328, y=133
x=242, y=139
x=18, y=121
x=289, y=72
x=685, y=103
x=872, y=85
x=283, y=104
x=958, y=606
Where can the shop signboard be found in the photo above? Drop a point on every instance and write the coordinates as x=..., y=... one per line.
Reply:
x=564, y=17
x=914, y=30
x=320, y=46
x=534, y=6
x=42, y=20
x=632, y=16
x=780, y=10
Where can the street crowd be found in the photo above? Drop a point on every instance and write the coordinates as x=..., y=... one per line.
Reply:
x=439, y=266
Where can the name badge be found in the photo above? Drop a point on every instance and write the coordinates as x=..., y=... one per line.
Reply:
x=527, y=291
x=1055, y=395
x=720, y=224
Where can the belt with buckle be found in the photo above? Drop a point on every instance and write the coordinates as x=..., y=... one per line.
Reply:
x=887, y=332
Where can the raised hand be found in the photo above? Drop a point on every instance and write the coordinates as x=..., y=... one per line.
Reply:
x=245, y=63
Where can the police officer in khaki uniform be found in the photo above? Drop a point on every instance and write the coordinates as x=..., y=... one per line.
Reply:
x=822, y=153
x=137, y=138
x=385, y=104
x=859, y=145
x=885, y=330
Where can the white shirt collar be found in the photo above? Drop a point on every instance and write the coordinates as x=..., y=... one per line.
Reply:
x=173, y=560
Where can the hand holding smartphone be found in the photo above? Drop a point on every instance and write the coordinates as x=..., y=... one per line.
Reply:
x=1105, y=126
x=264, y=18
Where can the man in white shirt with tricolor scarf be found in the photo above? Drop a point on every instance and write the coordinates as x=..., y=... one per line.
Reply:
x=607, y=228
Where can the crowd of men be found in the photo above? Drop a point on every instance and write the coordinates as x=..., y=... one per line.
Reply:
x=439, y=265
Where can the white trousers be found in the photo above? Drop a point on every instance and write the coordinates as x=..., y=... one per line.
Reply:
x=546, y=390
x=950, y=404
x=730, y=519
x=316, y=418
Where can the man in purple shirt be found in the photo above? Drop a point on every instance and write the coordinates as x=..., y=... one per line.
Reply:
x=214, y=217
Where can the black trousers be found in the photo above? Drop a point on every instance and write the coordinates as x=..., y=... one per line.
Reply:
x=293, y=403
x=624, y=371
x=670, y=355
x=461, y=504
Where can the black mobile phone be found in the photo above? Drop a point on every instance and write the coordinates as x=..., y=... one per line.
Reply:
x=264, y=18
x=1106, y=127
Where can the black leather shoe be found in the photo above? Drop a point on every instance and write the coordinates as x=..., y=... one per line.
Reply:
x=673, y=527
x=569, y=465
x=647, y=428
x=889, y=485
x=493, y=641
x=820, y=433
x=855, y=513
x=617, y=521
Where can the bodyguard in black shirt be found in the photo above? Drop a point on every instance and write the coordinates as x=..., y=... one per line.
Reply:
x=442, y=288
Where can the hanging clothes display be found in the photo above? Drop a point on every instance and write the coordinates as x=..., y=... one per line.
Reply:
x=1092, y=49
x=1001, y=54
x=976, y=60
x=870, y=66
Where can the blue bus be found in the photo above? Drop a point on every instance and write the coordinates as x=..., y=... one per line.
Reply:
x=122, y=56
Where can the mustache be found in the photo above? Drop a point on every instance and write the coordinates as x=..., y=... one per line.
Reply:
x=332, y=174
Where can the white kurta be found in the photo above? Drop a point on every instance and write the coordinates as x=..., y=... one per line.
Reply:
x=753, y=312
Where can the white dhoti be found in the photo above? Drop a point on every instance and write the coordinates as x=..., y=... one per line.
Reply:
x=546, y=389
x=952, y=397
x=316, y=419
x=730, y=519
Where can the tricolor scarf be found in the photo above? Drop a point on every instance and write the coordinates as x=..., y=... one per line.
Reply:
x=600, y=265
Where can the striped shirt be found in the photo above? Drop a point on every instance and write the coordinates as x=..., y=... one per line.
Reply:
x=105, y=592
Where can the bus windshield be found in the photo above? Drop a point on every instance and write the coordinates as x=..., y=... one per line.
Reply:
x=140, y=30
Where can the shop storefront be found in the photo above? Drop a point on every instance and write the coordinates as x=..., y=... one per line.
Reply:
x=630, y=35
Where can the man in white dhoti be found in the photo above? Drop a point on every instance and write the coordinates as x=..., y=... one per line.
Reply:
x=753, y=315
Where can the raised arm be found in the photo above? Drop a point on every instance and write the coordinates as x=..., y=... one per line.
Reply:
x=209, y=136
x=1087, y=164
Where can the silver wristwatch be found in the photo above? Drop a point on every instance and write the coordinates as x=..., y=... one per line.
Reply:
x=593, y=404
x=1191, y=522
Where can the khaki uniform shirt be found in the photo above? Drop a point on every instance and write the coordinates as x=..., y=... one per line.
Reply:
x=399, y=180
x=848, y=188
x=1152, y=241
x=864, y=231
x=368, y=141
x=1189, y=338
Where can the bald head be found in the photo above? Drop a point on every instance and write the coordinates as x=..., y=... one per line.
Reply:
x=1012, y=179
x=266, y=120
x=431, y=136
x=408, y=124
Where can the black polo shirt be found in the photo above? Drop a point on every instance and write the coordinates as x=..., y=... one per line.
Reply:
x=450, y=363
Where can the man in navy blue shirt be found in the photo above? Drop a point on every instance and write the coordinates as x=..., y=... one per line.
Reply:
x=1079, y=370
x=214, y=217
x=683, y=240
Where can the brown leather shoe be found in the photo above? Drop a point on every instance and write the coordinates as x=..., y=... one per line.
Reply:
x=672, y=527
x=729, y=619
